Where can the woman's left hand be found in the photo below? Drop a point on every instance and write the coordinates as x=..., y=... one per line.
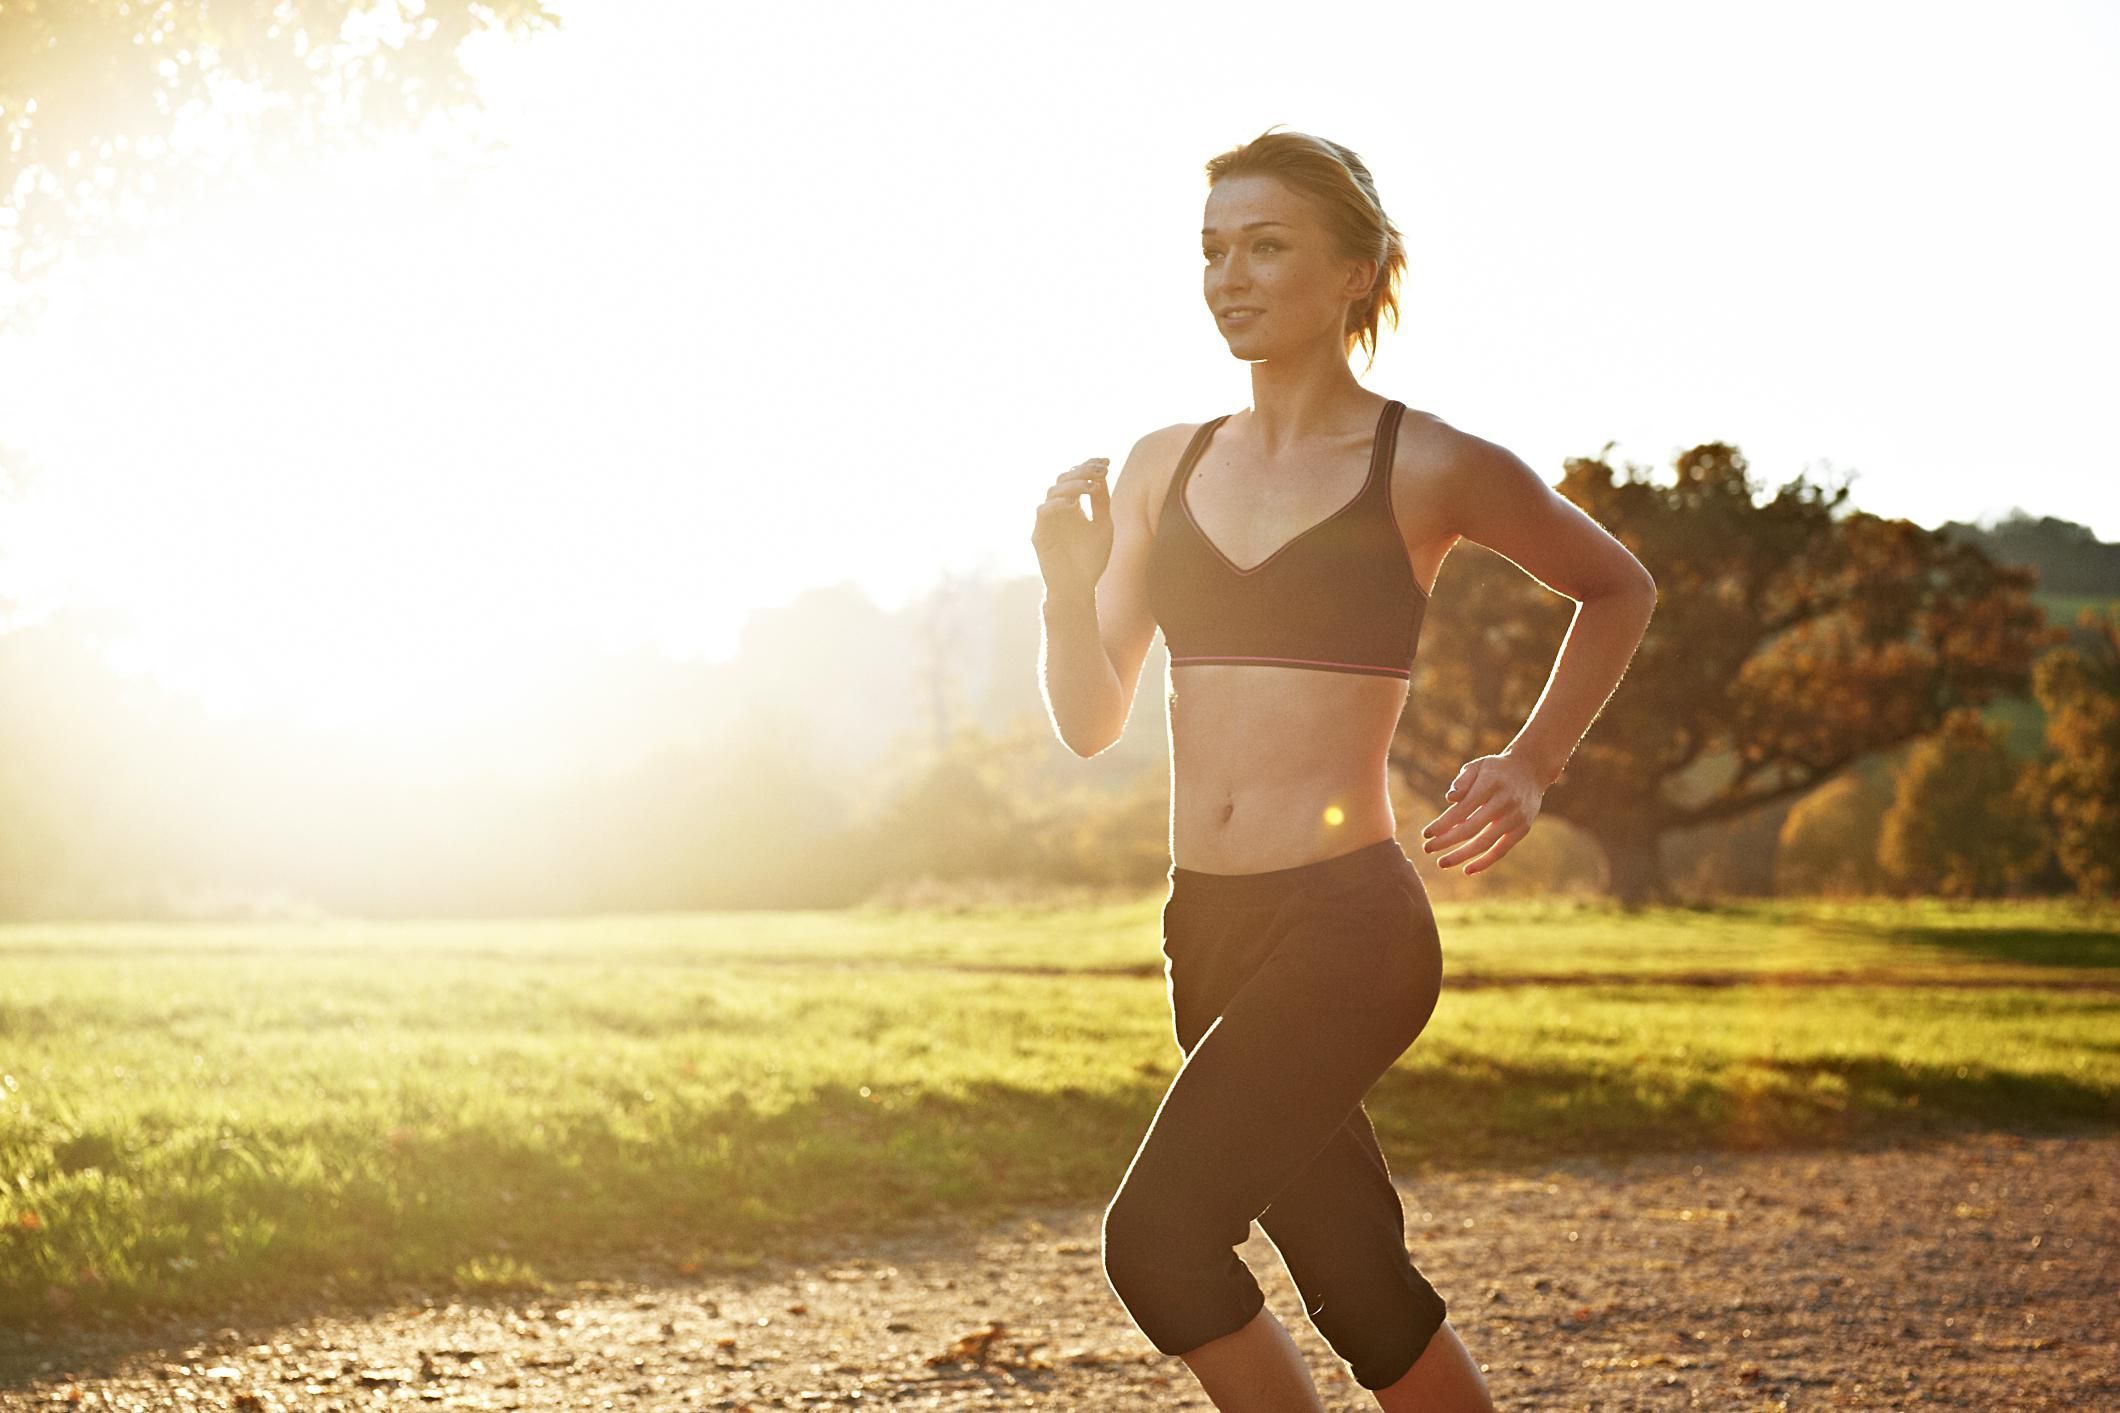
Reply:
x=1496, y=798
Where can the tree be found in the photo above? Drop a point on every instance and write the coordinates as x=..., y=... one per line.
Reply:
x=1829, y=840
x=1964, y=820
x=960, y=812
x=102, y=102
x=2079, y=689
x=1791, y=638
x=941, y=637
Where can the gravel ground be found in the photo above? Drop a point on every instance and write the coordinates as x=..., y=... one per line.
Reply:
x=1975, y=1273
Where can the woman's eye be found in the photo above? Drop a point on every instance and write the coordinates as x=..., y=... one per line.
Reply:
x=1266, y=244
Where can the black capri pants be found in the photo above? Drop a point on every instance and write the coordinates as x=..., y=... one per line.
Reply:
x=1291, y=992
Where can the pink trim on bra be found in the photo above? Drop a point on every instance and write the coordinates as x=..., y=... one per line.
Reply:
x=1295, y=662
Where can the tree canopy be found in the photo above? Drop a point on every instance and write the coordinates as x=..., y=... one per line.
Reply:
x=2080, y=691
x=103, y=102
x=1792, y=636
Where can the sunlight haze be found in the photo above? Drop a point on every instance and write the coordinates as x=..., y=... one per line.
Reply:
x=752, y=300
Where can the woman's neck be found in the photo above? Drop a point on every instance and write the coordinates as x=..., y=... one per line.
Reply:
x=1298, y=400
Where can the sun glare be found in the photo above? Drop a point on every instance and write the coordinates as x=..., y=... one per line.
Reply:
x=313, y=475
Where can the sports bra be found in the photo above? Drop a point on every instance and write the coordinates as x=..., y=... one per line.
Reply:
x=1339, y=597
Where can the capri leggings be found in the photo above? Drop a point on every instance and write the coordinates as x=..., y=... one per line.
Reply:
x=1291, y=992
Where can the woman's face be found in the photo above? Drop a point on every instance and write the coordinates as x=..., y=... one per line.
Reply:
x=1266, y=251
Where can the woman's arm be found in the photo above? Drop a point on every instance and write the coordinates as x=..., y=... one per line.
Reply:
x=1492, y=498
x=1097, y=638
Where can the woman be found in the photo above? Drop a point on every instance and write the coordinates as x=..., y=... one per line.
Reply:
x=1283, y=550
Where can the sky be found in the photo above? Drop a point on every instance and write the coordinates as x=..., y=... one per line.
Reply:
x=746, y=300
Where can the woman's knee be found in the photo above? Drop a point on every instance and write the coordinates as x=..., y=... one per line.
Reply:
x=1178, y=1276
x=1133, y=1242
x=1152, y=1243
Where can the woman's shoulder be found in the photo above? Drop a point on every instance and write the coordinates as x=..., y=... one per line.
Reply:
x=1420, y=421
x=1175, y=434
x=1152, y=465
x=1429, y=443
x=1158, y=452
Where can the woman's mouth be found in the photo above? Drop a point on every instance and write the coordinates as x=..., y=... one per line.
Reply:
x=1240, y=315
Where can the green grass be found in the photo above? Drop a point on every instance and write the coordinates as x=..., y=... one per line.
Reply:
x=215, y=1118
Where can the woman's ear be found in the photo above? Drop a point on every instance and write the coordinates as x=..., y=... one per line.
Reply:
x=1362, y=278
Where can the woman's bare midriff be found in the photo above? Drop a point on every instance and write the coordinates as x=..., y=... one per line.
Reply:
x=1272, y=767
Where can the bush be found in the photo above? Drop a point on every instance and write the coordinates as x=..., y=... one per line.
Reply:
x=1828, y=843
x=1965, y=819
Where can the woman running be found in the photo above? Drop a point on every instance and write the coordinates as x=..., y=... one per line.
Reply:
x=1283, y=550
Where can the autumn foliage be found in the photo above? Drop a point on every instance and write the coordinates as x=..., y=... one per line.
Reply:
x=2079, y=689
x=1793, y=636
x=1965, y=822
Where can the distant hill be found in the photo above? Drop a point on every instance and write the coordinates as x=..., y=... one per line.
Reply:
x=2070, y=558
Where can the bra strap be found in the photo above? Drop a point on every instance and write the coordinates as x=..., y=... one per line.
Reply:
x=1388, y=432
x=1386, y=448
x=1185, y=462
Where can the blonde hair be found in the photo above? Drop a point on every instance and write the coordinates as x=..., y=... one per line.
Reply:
x=1336, y=181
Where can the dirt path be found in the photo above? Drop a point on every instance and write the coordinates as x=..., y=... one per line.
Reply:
x=1978, y=1273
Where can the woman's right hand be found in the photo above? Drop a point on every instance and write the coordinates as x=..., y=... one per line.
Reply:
x=1073, y=549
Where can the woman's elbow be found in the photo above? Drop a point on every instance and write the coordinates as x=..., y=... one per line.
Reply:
x=1087, y=748
x=1079, y=741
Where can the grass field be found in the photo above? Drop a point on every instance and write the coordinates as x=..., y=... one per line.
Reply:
x=212, y=1118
